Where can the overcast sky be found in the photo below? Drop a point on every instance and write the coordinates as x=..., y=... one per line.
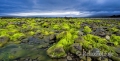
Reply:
x=79, y=8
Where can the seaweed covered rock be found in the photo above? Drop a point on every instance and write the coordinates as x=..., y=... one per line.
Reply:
x=56, y=51
x=3, y=40
x=65, y=41
x=75, y=47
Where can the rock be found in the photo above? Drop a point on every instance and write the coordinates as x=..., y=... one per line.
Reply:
x=56, y=52
x=107, y=37
x=69, y=58
x=79, y=40
x=75, y=47
x=3, y=40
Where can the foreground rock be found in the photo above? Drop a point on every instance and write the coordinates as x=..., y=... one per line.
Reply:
x=56, y=52
x=3, y=40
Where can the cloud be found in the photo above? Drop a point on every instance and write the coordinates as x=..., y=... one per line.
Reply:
x=57, y=14
x=90, y=7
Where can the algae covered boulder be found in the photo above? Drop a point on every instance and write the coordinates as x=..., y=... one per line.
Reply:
x=3, y=40
x=75, y=48
x=59, y=49
x=56, y=51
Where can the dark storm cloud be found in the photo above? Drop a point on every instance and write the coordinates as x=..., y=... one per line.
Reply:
x=70, y=7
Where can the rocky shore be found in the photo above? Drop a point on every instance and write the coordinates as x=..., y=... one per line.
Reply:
x=59, y=39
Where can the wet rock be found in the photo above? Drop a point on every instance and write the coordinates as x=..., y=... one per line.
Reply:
x=69, y=58
x=3, y=40
x=75, y=47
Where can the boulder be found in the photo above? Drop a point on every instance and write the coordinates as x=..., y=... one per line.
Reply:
x=56, y=52
x=3, y=40
x=75, y=47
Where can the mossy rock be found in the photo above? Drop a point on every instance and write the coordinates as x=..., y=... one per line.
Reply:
x=56, y=51
x=75, y=47
x=3, y=40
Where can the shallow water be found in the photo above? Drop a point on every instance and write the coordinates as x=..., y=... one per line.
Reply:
x=23, y=51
